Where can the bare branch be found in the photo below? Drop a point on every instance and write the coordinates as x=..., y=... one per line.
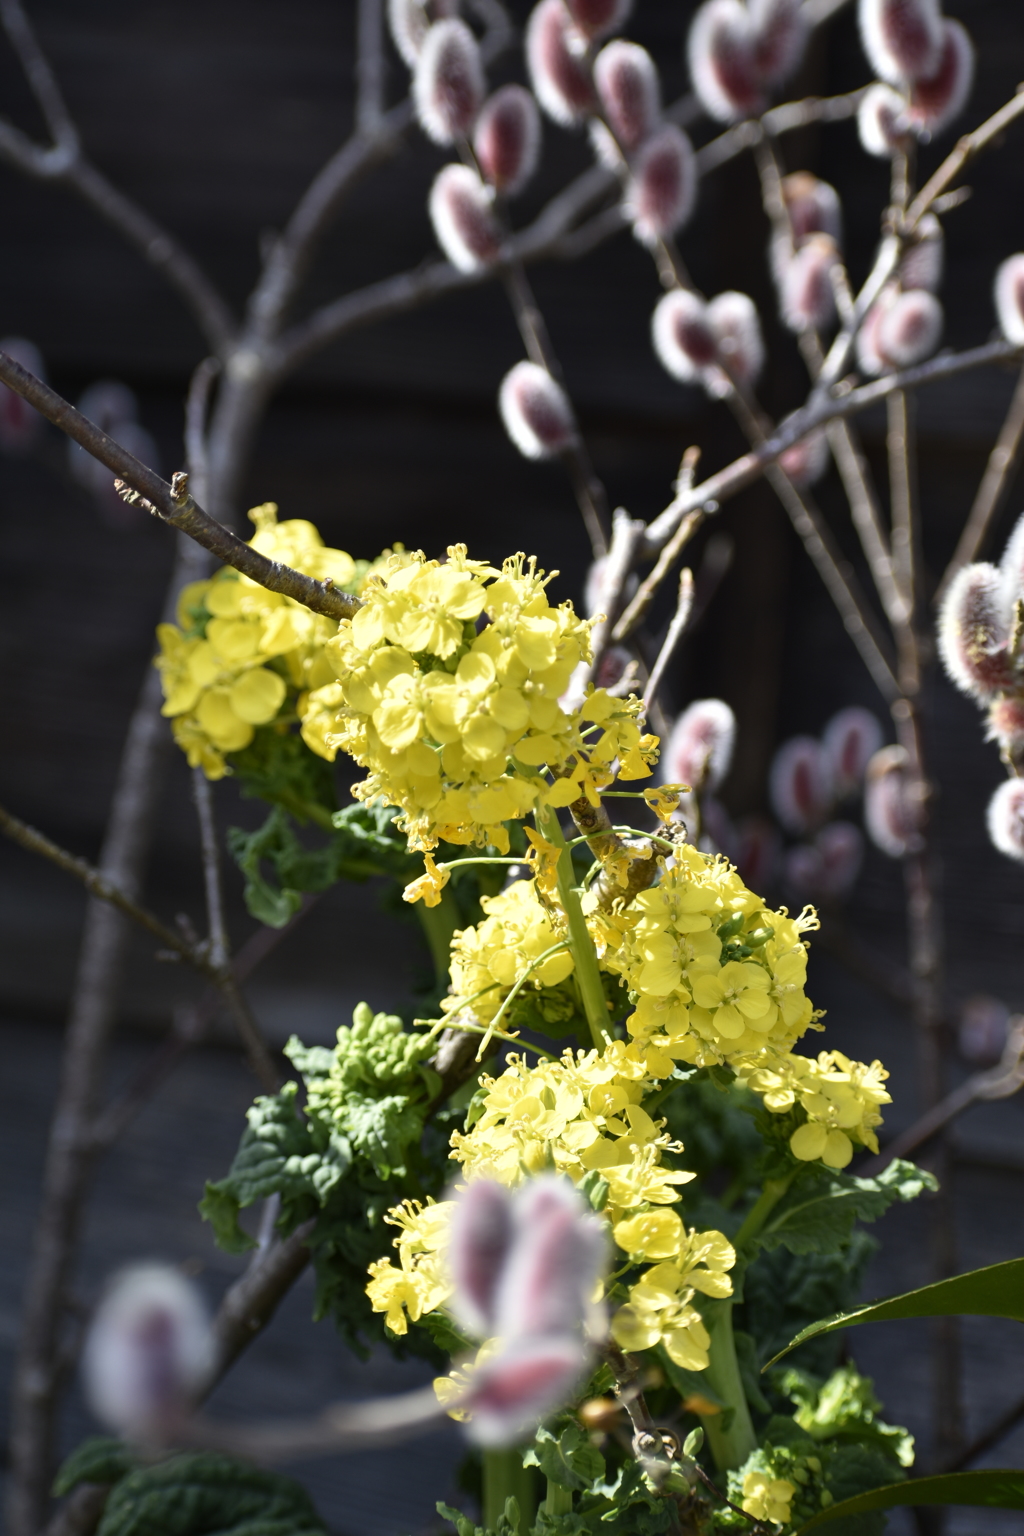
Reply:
x=251, y=1302
x=197, y=457
x=993, y=490
x=966, y=149
x=378, y=1421
x=676, y=630
x=903, y=500
x=216, y=926
x=369, y=66
x=786, y=118
x=172, y=503
x=39, y=75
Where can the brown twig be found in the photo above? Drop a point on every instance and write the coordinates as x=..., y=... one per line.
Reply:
x=993, y=490
x=967, y=148
x=676, y=630
x=370, y=67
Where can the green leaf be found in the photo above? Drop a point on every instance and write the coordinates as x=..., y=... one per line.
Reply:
x=818, y=1212
x=219, y=1206
x=97, y=1460
x=692, y=1386
x=462, y=1523
x=1003, y=1489
x=567, y=1459
x=995, y=1291
x=205, y=1493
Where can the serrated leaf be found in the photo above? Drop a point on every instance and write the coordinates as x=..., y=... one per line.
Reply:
x=1002, y=1489
x=995, y=1291
x=818, y=1217
x=219, y=1206
x=567, y=1459
x=202, y=1493
x=99, y=1459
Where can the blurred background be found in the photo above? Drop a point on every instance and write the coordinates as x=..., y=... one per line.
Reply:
x=214, y=117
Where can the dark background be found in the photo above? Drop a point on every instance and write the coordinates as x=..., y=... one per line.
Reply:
x=215, y=116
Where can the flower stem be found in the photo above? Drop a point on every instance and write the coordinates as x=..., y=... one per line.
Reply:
x=761, y=1209
x=730, y=1433
x=558, y=1500
x=588, y=973
x=439, y=923
x=505, y=1477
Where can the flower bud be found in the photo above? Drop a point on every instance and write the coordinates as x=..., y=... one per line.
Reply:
x=813, y=207
x=1006, y=726
x=807, y=299
x=536, y=411
x=910, y=329
x=463, y=219
x=722, y=62
x=410, y=22
x=662, y=186
x=506, y=140
x=922, y=263
x=891, y=806
x=627, y=83
x=800, y=784
x=1006, y=819
x=902, y=38
x=478, y=1246
x=148, y=1351
x=758, y=852
x=806, y=461
x=982, y=1030
x=737, y=330
x=850, y=740
x=937, y=99
x=1009, y=297
x=973, y=633
x=448, y=86
x=869, y=357
x=700, y=746
x=20, y=423
x=596, y=18
x=779, y=34
x=682, y=335
x=882, y=121
x=557, y=73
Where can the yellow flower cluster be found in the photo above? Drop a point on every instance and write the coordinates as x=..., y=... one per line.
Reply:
x=715, y=974
x=841, y=1098
x=227, y=665
x=581, y=1115
x=419, y=1283
x=488, y=960
x=767, y=1498
x=447, y=691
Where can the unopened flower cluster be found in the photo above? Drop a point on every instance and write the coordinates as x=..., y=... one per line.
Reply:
x=447, y=692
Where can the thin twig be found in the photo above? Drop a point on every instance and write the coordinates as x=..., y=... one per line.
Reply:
x=172, y=503
x=217, y=934
x=676, y=630
x=369, y=66
x=197, y=404
x=903, y=499
x=39, y=75
x=965, y=151
x=378, y=1421
x=993, y=490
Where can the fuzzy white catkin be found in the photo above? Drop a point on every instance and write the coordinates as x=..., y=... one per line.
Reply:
x=627, y=84
x=805, y=291
x=813, y=207
x=779, y=35
x=1009, y=298
x=682, y=336
x=937, y=100
x=921, y=265
x=881, y=121
x=891, y=813
x=409, y=23
x=536, y=411
x=596, y=18
x=662, y=187
x=148, y=1350
x=557, y=74
x=800, y=784
x=700, y=746
x=506, y=139
x=973, y=630
x=805, y=462
x=448, y=84
x=463, y=219
x=910, y=329
x=1011, y=573
x=1006, y=819
x=850, y=740
x=902, y=38
x=734, y=321
x=721, y=56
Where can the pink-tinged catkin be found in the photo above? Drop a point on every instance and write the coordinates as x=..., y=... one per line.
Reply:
x=806, y=462
x=936, y=100
x=700, y=746
x=737, y=330
x=892, y=806
x=813, y=207
x=20, y=423
x=558, y=72
x=921, y=264
x=1006, y=819
x=410, y=21
x=1011, y=574
x=807, y=298
x=463, y=219
x=758, y=852
x=506, y=140
x=973, y=632
x=902, y=38
x=448, y=84
x=662, y=188
x=850, y=740
x=800, y=784
x=479, y=1241
x=1006, y=726
x=536, y=411
x=596, y=18
x=826, y=869
x=905, y=330
x=1009, y=298
x=682, y=335
x=722, y=65
x=779, y=35
x=628, y=87
x=882, y=121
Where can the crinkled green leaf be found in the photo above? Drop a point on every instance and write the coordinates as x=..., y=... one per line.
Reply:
x=995, y=1291
x=206, y=1494
x=567, y=1458
x=818, y=1212
x=99, y=1459
x=1000, y=1489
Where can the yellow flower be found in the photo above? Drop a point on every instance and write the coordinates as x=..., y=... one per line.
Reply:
x=841, y=1098
x=659, y=1311
x=664, y=799
x=488, y=960
x=428, y=886
x=767, y=1498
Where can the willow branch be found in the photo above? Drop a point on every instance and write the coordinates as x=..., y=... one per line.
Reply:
x=787, y=118
x=216, y=925
x=377, y=1421
x=251, y=1302
x=676, y=630
x=172, y=503
x=967, y=148
x=993, y=490
x=369, y=66
x=197, y=404
x=39, y=74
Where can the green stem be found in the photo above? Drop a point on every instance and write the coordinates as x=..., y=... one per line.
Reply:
x=558, y=1500
x=761, y=1209
x=730, y=1433
x=505, y=1477
x=439, y=923
x=588, y=973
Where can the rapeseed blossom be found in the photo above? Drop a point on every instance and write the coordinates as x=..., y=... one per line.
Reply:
x=516, y=939
x=841, y=1098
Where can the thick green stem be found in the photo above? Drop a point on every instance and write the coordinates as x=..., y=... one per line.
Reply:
x=505, y=1477
x=761, y=1209
x=439, y=923
x=558, y=1500
x=730, y=1433
x=588, y=972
